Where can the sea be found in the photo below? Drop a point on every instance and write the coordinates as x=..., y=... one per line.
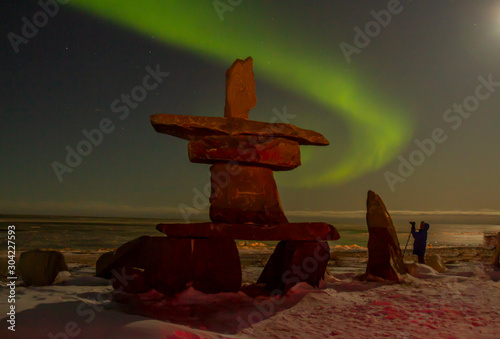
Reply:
x=77, y=233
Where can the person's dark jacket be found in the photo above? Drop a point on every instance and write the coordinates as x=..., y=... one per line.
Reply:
x=420, y=240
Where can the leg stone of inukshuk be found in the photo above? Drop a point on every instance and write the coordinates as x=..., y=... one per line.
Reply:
x=169, y=265
x=216, y=265
x=213, y=266
x=293, y=262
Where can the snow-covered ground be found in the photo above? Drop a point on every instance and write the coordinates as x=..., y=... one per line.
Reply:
x=462, y=302
x=444, y=306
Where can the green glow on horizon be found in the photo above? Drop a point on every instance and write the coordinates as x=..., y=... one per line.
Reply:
x=377, y=131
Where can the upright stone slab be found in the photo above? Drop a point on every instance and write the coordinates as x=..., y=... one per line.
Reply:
x=384, y=253
x=244, y=194
x=240, y=89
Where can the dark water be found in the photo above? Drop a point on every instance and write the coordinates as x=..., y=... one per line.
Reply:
x=90, y=234
x=80, y=233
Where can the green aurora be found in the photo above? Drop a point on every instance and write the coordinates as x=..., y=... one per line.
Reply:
x=377, y=130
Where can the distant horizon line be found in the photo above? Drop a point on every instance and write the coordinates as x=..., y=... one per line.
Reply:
x=171, y=214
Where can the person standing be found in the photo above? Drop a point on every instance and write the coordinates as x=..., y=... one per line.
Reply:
x=420, y=243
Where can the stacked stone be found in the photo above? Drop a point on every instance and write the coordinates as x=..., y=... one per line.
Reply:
x=244, y=201
x=243, y=153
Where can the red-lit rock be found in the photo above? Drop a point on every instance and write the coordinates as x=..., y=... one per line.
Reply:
x=278, y=154
x=170, y=265
x=156, y=257
x=192, y=127
x=293, y=262
x=102, y=265
x=244, y=194
x=240, y=89
x=216, y=266
x=308, y=231
x=244, y=201
x=384, y=253
x=130, y=254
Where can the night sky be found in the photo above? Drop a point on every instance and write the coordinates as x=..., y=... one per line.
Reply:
x=433, y=71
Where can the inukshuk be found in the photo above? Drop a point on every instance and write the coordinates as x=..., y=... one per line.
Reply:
x=244, y=201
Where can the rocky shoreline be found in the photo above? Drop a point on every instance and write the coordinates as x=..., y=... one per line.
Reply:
x=341, y=259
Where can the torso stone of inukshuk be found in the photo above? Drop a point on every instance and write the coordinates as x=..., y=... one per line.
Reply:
x=243, y=153
x=384, y=252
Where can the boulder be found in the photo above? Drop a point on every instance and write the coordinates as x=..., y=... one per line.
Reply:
x=435, y=261
x=494, y=275
x=421, y=270
x=278, y=154
x=244, y=194
x=496, y=257
x=490, y=240
x=384, y=253
x=158, y=262
x=240, y=89
x=103, y=264
x=130, y=254
x=293, y=262
x=193, y=127
x=40, y=268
